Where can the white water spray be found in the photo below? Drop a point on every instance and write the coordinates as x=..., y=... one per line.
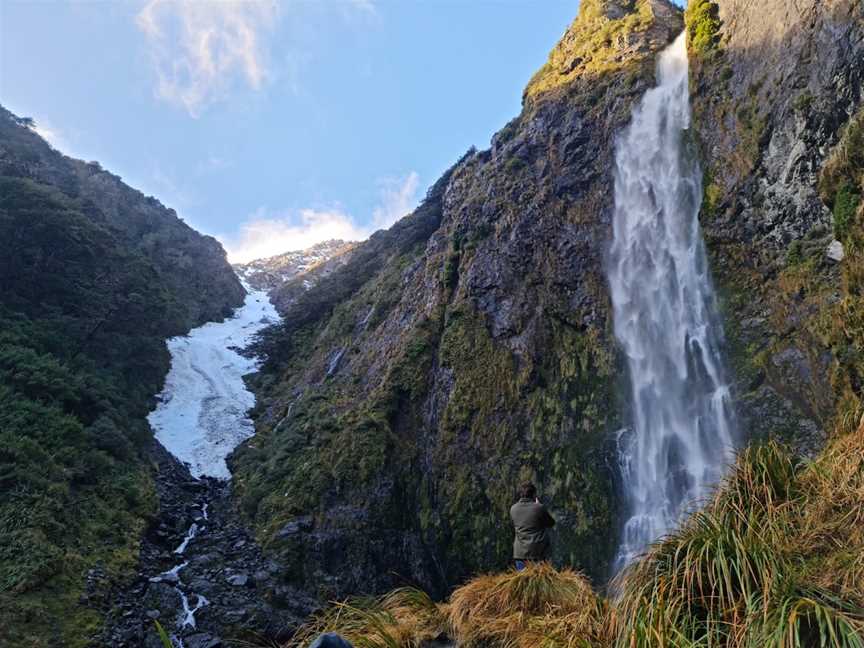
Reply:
x=665, y=318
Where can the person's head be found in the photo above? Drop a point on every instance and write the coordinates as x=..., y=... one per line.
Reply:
x=527, y=491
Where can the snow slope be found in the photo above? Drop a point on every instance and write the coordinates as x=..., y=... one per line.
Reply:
x=202, y=412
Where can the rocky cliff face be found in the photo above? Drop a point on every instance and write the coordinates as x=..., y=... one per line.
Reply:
x=93, y=277
x=775, y=87
x=465, y=349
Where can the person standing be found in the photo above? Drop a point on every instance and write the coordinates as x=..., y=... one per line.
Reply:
x=531, y=522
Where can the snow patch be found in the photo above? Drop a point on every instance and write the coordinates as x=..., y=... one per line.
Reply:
x=202, y=413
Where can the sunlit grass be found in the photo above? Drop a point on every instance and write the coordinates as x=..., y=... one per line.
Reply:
x=773, y=560
x=539, y=606
x=403, y=618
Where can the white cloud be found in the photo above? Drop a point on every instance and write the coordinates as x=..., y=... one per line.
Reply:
x=363, y=5
x=266, y=234
x=202, y=48
x=398, y=197
x=56, y=138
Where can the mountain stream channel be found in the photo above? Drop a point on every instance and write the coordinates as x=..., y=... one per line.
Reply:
x=201, y=574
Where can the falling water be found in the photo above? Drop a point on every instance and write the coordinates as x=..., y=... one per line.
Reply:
x=681, y=436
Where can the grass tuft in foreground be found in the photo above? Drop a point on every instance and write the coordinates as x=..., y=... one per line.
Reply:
x=404, y=618
x=539, y=606
x=773, y=560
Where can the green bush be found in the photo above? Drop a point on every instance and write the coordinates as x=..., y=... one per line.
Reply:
x=845, y=206
x=794, y=253
x=703, y=24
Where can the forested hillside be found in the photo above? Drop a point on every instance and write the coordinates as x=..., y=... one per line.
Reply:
x=93, y=277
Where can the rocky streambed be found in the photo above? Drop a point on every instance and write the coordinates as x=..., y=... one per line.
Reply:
x=201, y=574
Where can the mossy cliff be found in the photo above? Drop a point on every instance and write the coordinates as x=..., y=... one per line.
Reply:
x=777, y=95
x=93, y=277
x=465, y=349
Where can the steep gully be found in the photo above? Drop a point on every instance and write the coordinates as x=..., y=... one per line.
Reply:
x=201, y=575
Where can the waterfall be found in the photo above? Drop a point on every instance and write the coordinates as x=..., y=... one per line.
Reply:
x=682, y=425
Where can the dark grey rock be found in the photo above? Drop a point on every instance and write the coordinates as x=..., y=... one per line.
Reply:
x=238, y=580
x=295, y=526
x=202, y=640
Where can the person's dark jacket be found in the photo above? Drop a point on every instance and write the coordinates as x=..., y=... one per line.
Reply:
x=532, y=523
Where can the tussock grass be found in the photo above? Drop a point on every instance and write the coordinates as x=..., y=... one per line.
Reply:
x=538, y=606
x=404, y=618
x=775, y=559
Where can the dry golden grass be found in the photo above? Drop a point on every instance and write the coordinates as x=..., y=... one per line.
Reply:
x=404, y=618
x=832, y=526
x=539, y=606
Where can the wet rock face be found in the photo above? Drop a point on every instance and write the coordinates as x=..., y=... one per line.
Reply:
x=466, y=349
x=770, y=101
x=206, y=586
x=793, y=77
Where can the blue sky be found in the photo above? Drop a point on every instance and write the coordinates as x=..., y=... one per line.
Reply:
x=272, y=125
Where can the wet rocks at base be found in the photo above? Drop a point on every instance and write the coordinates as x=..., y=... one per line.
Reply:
x=215, y=586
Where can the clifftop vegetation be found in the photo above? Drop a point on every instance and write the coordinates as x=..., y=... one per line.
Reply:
x=601, y=39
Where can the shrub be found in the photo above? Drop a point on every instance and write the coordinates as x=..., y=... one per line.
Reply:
x=514, y=164
x=846, y=163
x=845, y=206
x=711, y=199
x=803, y=102
x=703, y=24
x=794, y=254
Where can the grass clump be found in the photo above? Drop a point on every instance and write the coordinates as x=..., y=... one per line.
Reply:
x=845, y=166
x=845, y=205
x=767, y=563
x=703, y=25
x=404, y=618
x=538, y=606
